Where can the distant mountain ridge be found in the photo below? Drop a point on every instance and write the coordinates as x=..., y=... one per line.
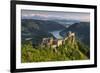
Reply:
x=37, y=29
x=43, y=17
x=43, y=25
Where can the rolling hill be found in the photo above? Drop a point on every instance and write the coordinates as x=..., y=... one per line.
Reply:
x=37, y=29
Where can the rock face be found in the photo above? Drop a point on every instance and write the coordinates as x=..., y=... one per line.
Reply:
x=70, y=36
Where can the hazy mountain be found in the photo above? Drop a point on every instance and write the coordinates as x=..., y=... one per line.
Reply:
x=66, y=23
x=38, y=29
x=50, y=18
x=43, y=25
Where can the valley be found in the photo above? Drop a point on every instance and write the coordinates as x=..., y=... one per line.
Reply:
x=40, y=40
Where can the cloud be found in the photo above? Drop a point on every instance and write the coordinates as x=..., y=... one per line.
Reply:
x=59, y=15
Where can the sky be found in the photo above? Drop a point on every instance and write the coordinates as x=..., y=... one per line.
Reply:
x=36, y=14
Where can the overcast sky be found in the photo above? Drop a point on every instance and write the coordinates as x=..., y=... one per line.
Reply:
x=56, y=15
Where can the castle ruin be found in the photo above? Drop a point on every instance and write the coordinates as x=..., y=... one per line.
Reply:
x=57, y=42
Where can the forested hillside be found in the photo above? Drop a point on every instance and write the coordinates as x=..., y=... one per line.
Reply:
x=68, y=51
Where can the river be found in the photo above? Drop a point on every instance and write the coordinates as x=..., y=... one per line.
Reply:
x=56, y=34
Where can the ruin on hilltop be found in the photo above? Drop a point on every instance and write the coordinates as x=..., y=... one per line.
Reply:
x=57, y=42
